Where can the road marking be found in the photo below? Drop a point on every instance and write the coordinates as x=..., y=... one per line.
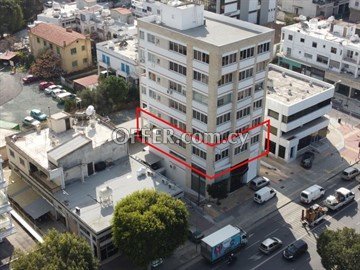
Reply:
x=251, y=235
x=252, y=244
x=271, y=232
x=331, y=186
x=256, y=257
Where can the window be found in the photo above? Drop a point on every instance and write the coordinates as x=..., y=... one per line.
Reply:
x=223, y=119
x=22, y=162
x=177, y=68
x=290, y=37
x=240, y=149
x=229, y=59
x=196, y=151
x=74, y=63
x=333, y=50
x=177, y=87
x=142, y=34
x=262, y=48
x=44, y=43
x=302, y=40
x=151, y=38
x=273, y=114
x=152, y=76
x=256, y=121
x=175, y=47
x=153, y=95
x=322, y=59
x=273, y=130
x=309, y=56
x=242, y=129
x=200, y=56
x=73, y=51
x=51, y=46
x=200, y=98
x=259, y=86
x=176, y=105
x=254, y=139
x=125, y=68
x=314, y=44
x=223, y=155
x=224, y=100
x=178, y=123
x=257, y=104
x=244, y=94
x=201, y=77
x=85, y=60
x=151, y=57
x=261, y=66
x=225, y=79
x=200, y=116
x=242, y=113
x=38, y=40
x=106, y=59
x=178, y=141
x=12, y=153
x=245, y=74
x=247, y=53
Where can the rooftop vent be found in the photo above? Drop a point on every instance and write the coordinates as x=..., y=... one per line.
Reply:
x=77, y=210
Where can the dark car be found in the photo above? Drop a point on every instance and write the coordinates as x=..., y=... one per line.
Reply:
x=195, y=235
x=29, y=79
x=295, y=250
x=307, y=160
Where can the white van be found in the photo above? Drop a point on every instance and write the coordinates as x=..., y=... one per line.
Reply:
x=264, y=194
x=350, y=173
x=312, y=193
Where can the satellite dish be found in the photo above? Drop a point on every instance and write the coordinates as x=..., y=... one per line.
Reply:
x=90, y=110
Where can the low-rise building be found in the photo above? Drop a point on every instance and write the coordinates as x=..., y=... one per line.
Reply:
x=73, y=48
x=63, y=15
x=296, y=105
x=354, y=11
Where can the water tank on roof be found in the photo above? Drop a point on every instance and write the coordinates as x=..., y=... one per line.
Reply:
x=90, y=110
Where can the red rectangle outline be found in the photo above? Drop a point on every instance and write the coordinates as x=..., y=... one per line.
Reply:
x=210, y=177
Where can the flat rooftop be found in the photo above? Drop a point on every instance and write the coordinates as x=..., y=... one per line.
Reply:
x=122, y=179
x=127, y=48
x=37, y=145
x=63, y=11
x=290, y=87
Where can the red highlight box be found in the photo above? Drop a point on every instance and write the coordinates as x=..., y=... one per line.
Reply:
x=210, y=177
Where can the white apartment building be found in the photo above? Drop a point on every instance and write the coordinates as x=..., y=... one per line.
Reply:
x=315, y=8
x=63, y=15
x=6, y=225
x=204, y=72
x=328, y=50
x=354, y=11
x=254, y=11
x=296, y=105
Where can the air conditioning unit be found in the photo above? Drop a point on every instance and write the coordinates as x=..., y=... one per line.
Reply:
x=169, y=91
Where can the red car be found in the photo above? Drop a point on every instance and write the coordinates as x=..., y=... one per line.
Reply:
x=43, y=85
x=29, y=79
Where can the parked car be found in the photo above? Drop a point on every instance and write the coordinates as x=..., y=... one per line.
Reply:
x=350, y=173
x=50, y=88
x=29, y=121
x=61, y=97
x=264, y=194
x=38, y=115
x=258, y=182
x=295, y=250
x=56, y=92
x=270, y=244
x=156, y=263
x=307, y=160
x=43, y=85
x=195, y=235
x=312, y=193
x=29, y=79
x=48, y=4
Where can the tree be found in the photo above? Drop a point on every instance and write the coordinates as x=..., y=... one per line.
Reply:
x=148, y=225
x=218, y=191
x=70, y=105
x=31, y=8
x=47, y=65
x=58, y=251
x=11, y=17
x=339, y=249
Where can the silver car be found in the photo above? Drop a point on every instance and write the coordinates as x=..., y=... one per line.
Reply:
x=270, y=244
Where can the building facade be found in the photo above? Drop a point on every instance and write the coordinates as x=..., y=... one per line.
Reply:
x=354, y=11
x=204, y=73
x=328, y=50
x=316, y=8
x=296, y=105
x=73, y=48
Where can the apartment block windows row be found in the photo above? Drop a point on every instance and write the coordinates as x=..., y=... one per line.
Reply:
x=259, y=86
x=256, y=121
x=257, y=104
x=242, y=129
x=225, y=79
x=200, y=98
x=229, y=59
x=177, y=87
x=222, y=155
x=175, y=47
x=177, y=68
x=254, y=139
x=224, y=100
x=201, y=56
x=223, y=119
x=242, y=113
x=106, y=59
x=240, y=149
x=242, y=94
x=151, y=38
x=261, y=66
x=322, y=59
x=247, y=53
x=178, y=141
x=177, y=123
x=262, y=48
x=245, y=74
x=177, y=106
x=200, y=116
x=198, y=76
x=197, y=152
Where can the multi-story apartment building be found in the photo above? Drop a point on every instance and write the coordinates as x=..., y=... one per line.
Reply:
x=204, y=73
x=354, y=11
x=328, y=50
x=254, y=11
x=315, y=8
x=6, y=226
x=296, y=105
x=73, y=48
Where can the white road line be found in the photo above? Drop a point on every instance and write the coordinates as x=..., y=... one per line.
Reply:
x=251, y=235
x=252, y=244
x=331, y=186
x=271, y=232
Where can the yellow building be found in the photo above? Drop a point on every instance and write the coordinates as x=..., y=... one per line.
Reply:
x=74, y=48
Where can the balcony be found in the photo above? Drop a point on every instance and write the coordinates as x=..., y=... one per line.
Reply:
x=4, y=203
x=323, y=2
x=44, y=181
x=6, y=227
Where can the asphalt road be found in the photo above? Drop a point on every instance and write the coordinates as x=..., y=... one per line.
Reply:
x=285, y=224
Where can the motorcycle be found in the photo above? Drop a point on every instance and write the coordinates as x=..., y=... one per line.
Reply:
x=232, y=258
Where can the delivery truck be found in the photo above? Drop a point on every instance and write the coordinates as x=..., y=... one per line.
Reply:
x=222, y=243
x=341, y=197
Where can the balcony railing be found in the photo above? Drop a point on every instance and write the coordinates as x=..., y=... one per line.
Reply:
x=45, y=182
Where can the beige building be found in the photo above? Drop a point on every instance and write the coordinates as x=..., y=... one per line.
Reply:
x=204, y=73
x=74, y=48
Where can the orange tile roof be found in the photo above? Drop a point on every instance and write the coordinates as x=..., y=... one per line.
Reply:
x=88, y=80
x=8, y=55
x=56, y=34
x=123, y=11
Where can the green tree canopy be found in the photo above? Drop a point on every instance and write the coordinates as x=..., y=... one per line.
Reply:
x=58, y=251
x=11, y=16
x=47, y=65
x=339, y=249
x=218, y=190
x=148, y=225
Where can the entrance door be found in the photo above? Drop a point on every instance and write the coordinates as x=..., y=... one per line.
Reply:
x=237, y=177
x=67, y=123
x=90, y=168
